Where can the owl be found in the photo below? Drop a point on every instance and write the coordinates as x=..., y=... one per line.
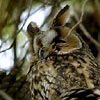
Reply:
x=62, y=65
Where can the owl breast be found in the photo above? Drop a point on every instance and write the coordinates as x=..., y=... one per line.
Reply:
x=58, y=74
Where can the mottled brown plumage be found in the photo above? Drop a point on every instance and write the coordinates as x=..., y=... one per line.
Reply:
x=62, y=69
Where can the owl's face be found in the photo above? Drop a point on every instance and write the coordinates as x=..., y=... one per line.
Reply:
x=52, y=41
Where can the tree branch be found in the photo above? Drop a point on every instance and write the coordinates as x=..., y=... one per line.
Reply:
x=85, y=32
x=79, y=21
x=19, y=29
x=5, y=95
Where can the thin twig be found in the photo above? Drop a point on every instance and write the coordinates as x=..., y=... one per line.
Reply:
x=19, y=29
x=5, y=95
x=25, y=43
x=37, y=10
x=50, y=16
x=86, y=33
x=80, y=20
x=26, y=17
x=8, y=47
x=23, y=59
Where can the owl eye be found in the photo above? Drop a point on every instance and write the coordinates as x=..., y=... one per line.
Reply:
x=41, y=53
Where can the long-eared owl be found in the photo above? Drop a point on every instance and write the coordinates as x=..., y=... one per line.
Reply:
x=62, y=67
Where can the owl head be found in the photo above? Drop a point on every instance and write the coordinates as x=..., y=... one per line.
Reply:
x=52, y=41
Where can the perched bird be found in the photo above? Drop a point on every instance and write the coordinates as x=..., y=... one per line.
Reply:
x=62, y=65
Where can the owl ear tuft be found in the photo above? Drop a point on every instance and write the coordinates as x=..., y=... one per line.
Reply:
x=60, y=18
x=32, y=28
